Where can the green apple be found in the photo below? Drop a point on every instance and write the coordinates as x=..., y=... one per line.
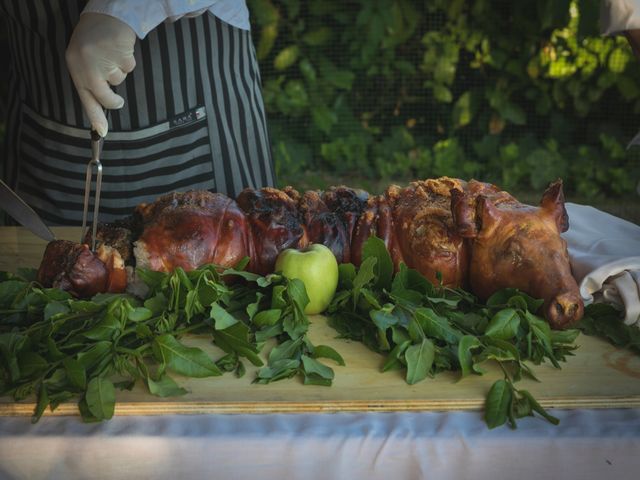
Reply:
x=317, y=267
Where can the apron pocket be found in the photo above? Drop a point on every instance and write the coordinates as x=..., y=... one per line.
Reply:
x=138, y=165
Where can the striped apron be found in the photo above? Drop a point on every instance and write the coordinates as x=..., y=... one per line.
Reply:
x=193, y=115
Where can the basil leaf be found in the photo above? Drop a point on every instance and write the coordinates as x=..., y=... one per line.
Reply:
x=165, y=386
x=383, y=319
x=536, y=407
x=287, y=349
x=504, y=324
x=235, y=339
x=105, y=329
x=324, y=351
x=364, y=276
x=221, y=317
x=55, y=308
x=30, y=364
x=284, y=368
x=43, y=402
x=498, y=404
x=315, y=373
x=188, y=361
x=10, y=291
x=436, y=326
x=101, y=398
x=140, y=314
x=374, y=247
x=542, y=333
x=465, y=356
x=346, y=276
x=157, y=304
x=76, y=373
x=419, y=359
x=94, y=355
x=267, y=317
x=394, y=359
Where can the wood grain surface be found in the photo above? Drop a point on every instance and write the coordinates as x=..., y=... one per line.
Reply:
x=598, y=376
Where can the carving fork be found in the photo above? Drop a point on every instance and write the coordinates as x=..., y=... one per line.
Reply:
x=96, y=150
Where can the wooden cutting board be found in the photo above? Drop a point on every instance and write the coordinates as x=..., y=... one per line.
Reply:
x=598, y=376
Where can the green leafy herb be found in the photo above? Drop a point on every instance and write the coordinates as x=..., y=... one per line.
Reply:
x=58, y=347
x=604, y=320
x=427, y=328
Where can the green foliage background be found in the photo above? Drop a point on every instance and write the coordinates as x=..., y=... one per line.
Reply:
x=516, y=93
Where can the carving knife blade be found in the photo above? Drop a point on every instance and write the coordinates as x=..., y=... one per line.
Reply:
x=11, y=203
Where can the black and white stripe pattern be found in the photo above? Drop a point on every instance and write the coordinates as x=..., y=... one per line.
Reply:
x=193, y=115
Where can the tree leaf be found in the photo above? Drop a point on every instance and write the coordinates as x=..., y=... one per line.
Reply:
x=286, y=57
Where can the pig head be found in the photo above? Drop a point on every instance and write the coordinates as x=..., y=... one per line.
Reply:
x=519, y=246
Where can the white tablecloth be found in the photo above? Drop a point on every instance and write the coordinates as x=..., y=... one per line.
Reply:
x=588, y=444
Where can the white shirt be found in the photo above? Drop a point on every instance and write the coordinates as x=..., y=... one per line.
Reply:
x=145, y=15
x=616, y=16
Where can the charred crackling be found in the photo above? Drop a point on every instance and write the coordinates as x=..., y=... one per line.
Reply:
x=274, y=224
x=324, y=226
x=348, y=205
x=120, y=235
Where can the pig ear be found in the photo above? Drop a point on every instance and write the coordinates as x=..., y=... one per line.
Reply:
x=463, y=210
x=472, y=213
x=552, y=203
x=487, y=215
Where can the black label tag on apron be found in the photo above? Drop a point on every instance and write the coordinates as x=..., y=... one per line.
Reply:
x=188, y=117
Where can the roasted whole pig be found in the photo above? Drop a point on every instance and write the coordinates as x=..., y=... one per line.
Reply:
x=470, y=234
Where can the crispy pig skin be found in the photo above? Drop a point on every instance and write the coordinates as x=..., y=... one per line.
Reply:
x=191, y=229
x=456, y=233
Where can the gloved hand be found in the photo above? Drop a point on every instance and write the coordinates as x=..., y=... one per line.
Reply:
x=99, y=54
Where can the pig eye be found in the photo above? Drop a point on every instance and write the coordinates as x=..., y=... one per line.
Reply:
x=512, y=251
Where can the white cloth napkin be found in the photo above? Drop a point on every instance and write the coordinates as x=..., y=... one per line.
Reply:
x=605, y=258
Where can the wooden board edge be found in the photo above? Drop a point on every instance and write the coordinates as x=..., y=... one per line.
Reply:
x=197, y=408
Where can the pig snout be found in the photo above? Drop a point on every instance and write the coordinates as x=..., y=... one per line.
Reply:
x=564, y=310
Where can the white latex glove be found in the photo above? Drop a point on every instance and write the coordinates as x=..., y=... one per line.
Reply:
x=100, y=54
